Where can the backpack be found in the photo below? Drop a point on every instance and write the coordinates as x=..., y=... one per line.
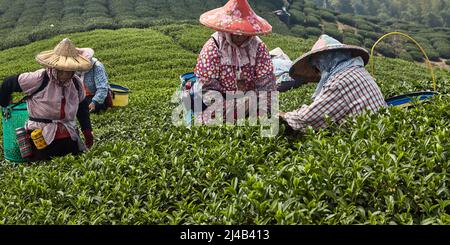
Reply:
x=43, y=85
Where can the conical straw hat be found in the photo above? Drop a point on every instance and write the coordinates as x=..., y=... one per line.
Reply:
x=303, y=68
x=236, y=17
x=64, y=57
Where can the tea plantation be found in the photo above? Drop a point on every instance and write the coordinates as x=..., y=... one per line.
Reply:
x=389, y=168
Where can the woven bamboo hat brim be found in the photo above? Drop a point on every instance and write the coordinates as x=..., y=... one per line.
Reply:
x=64, y=57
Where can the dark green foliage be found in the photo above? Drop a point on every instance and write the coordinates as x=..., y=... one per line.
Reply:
x=347, y=19
x=309, y=11
x=429, y=49
x=424, y=42
x=327, y=16
x=335, y=34
x=361, y=25
x=299, y=31
x=433, y=54
x=416, y=55
x=351, y=35
x=349, y=32
x=352, y=41
x=369, y=35
x=313, y=32
x=404, y=55
x=368, y=43
x=333, y=31
x=433, y=20
x=443, y=48
x=42, y=33
x=386, y=50
x=297, y=17
x=345, y=6
x=312, y=21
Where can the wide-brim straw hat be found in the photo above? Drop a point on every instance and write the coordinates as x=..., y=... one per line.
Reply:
x=64, y=57
x=236, y=17
x=303, y=68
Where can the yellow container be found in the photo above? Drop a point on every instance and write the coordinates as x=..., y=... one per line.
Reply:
x=121, y=95
x=120, y=100
x=38, y=139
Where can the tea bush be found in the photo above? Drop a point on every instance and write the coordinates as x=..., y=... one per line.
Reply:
x=352, y=41
x=297, y=17
x=346, y=19
x=299, y=31
x=328, y=16
x=312, y=21
x=335, y=33
x=443, y=48
x=313, y=31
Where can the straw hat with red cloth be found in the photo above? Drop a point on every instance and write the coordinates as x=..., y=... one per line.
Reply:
x=236, y=17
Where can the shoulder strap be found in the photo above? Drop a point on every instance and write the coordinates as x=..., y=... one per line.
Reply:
x=42, y=87
x=77, y=86
x=217, y=45
x=44, y=84
x=216, y=42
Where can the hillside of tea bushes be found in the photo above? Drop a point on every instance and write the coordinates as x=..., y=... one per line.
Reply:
x=389, y=168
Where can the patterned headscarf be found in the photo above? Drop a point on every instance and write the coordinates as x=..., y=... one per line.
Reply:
x=332, y=62
x=234, y=55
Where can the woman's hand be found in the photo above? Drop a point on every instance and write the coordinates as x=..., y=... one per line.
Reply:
x=282, y=114
x=91, y=107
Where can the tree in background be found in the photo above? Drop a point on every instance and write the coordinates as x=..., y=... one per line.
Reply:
x=345, y=6
x=383, y=11
x=360, y=8
x=371, y=7
x=446, y=17
x=433, y=20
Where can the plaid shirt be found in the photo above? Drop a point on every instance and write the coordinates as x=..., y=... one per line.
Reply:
x=349, y=92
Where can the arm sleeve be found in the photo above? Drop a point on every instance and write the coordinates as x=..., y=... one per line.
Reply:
x=265, y=77
x=9, y=86
x=207, y=69
x=31, y=81
x=101, y=83
x=83, y=115
x=330, y=102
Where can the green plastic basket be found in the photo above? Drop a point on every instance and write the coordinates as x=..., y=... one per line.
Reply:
x=13, y=117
